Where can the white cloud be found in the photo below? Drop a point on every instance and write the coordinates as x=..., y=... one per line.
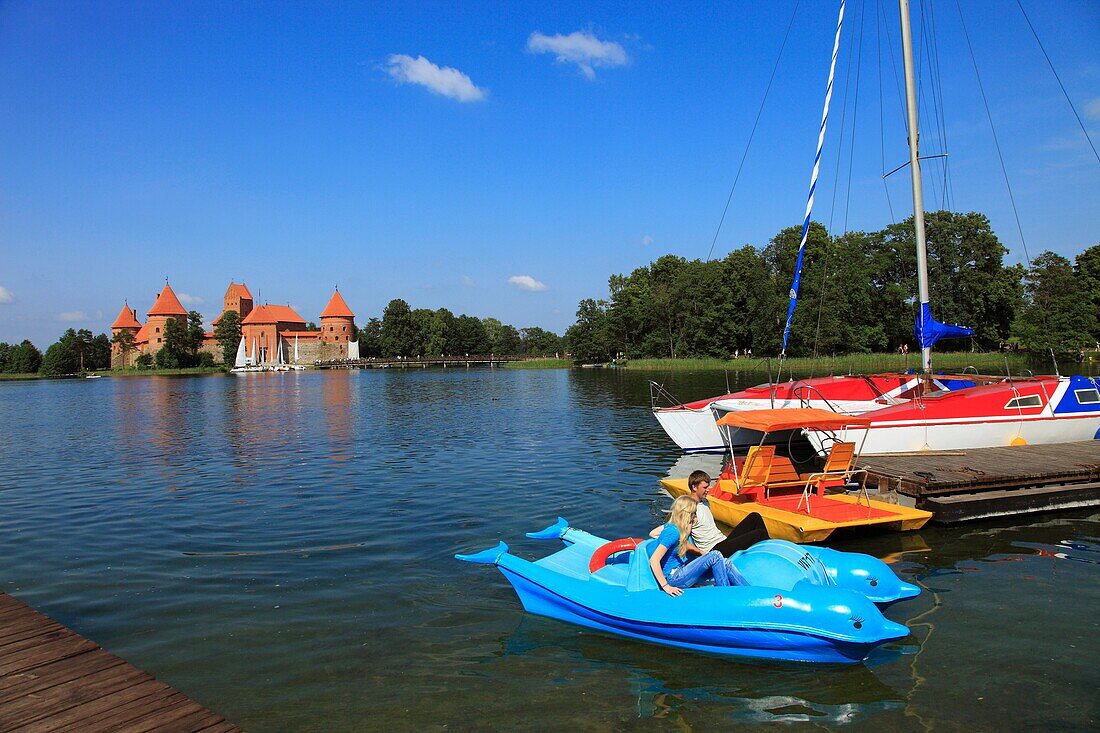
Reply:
x=441, y=80
x=190, y=299
x=72, y=316
x=1092, y=109
x=468, y=281
x=526, y=282
x=6, y=296
x=647, y=240
x=580, y=48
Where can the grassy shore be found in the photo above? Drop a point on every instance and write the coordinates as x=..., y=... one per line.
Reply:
x=540, y=364
x=984, y=362
x=122, y=373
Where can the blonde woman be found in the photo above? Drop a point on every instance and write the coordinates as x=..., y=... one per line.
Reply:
x=669, y=561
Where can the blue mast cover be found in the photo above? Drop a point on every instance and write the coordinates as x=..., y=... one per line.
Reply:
x=928, y=330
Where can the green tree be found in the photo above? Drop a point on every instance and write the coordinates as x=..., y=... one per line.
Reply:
x=539, y=342
x=101, y=352
x=174, y=351
x=471, y=335
x=124, y=342
x=1058, y=314
x=588, y=339
x=399, y=332
x=63, y=356
x=144, y=361
x=1086, y=268
x=370, y=338
x=5, y=357
x=508, y=341
x=228, y=335
x=25, y=358
x=194, y=337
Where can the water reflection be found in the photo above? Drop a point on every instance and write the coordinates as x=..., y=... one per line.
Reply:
x=674, y=685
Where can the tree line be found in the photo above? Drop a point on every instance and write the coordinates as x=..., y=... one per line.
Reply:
x=409, y=332
x=857, y=294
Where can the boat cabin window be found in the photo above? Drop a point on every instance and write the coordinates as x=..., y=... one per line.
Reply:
x=1031, y=400
x=1087, y=396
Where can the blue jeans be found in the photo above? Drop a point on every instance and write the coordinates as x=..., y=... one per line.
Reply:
x=712, y=562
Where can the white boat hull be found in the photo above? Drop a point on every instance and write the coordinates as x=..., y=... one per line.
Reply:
x=962, y=434
x=696, y=430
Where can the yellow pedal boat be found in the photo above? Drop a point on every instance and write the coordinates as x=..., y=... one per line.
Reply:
x=799, y=507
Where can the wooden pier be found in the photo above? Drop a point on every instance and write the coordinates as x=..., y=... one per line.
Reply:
x=52, y=678
x=963, y=485
x=490, y=360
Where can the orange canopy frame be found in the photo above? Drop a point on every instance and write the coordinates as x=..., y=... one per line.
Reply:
x=791, y=418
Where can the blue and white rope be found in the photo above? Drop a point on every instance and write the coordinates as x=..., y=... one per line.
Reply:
x=813, y=184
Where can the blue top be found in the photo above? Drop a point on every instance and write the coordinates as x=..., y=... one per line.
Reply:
x=670, y=539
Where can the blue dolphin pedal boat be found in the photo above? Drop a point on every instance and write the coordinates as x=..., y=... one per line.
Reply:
x=803, y=604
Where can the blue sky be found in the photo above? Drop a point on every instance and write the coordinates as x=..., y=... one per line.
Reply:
x=497, y=159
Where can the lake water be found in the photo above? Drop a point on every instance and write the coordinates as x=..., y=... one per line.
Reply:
x=279, y=547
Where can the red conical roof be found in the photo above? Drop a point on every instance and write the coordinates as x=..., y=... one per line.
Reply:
x=167, y=304
x=126, y=319
x=239, y=289
x=337, y=308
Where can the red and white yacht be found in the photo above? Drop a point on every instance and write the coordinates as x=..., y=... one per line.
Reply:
x=1046, y=409
x=692, y=425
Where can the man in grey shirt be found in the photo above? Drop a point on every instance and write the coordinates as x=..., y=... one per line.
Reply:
x=705, y=532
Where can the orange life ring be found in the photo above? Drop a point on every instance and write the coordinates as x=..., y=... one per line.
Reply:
x=599, y=557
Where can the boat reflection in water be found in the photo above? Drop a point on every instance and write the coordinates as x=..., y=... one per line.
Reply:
x=698, y=690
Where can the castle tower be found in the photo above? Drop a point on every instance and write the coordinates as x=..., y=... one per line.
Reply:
x=238, y=298
x=126, y=321
x=337, y=321
x=150, y=338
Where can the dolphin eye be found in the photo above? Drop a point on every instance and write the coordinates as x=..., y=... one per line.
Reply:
x=874, y=582
x=857, y=622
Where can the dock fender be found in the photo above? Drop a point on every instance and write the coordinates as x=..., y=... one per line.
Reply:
x=486, y=557
x=553, y=532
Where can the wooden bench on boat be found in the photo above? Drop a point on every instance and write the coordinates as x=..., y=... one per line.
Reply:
x=794, y=506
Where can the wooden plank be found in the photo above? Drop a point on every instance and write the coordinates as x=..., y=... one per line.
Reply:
x=52, y=679
x=985, y=469
x=44, y=654
x=179, y=720
x=58, y=699
x=983, y=505
x=56, y=673
x=76, y=715
x=43, y=633
x=136, y=709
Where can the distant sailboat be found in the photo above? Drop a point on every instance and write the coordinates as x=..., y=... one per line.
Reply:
x=243, y=363
x=353, y=349
x=295, y=348
x=242, y=356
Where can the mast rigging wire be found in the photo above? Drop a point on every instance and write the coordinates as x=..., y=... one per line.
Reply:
x=752, y=134
x=1060, y=84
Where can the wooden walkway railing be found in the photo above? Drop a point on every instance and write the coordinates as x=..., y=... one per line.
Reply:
x=52, y=679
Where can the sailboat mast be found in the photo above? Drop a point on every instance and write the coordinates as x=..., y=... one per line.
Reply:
x=914, y=170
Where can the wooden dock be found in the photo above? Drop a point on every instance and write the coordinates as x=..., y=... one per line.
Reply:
x=962, y=485
x=52, y=679
x=490, y=360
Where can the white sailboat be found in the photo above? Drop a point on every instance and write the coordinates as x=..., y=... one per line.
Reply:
x=353, y=350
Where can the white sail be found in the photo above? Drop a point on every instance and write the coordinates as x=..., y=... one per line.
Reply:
x=242, y=358
x=280, y=357
x=353, y=349
x=253, y=361
x=295, y=348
